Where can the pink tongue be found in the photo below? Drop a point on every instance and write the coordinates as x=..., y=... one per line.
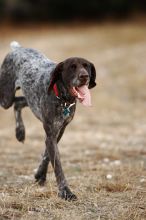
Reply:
x=84, y=95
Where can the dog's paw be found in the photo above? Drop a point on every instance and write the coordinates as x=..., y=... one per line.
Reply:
x=66, y=194
x=20, y=133
x=40, y=179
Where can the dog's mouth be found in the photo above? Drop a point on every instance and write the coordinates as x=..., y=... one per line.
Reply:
x=82, y=93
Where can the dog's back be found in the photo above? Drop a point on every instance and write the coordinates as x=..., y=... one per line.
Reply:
x=26, y=69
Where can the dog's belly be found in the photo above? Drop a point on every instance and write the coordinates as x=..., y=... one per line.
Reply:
x=33, y=103
x=32, y=91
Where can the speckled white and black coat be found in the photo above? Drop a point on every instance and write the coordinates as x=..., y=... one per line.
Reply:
x=33, y=73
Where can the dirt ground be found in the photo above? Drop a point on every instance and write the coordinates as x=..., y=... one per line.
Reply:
x=103, y=150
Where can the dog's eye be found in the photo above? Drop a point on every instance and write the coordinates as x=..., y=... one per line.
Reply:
x=73, y=66
x=85, y=65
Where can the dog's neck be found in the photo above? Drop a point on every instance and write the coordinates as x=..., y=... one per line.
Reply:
x=62, y=92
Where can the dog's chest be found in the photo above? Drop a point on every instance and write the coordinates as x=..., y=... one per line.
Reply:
x=63, y=115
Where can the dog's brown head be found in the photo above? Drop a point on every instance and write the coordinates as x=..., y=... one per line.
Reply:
x=77, y=74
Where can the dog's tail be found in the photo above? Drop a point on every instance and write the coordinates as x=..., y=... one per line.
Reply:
x=14, y=45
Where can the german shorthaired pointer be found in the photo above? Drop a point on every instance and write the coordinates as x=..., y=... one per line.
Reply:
x=51, y=91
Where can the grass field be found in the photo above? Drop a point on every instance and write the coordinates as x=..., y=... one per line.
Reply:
x=103, y=150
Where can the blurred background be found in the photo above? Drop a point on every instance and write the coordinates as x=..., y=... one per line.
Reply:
x=103, y=149
x=64, y=10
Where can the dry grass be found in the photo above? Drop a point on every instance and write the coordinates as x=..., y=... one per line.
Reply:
x=103, y=150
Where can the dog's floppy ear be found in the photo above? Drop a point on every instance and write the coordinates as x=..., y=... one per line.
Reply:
x=56, y=75
x=92, y=82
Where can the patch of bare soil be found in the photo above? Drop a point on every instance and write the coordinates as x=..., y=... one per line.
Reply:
x=103, y=151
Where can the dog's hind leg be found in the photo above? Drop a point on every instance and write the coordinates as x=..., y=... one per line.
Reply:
x=19, y=103
x=7, y=82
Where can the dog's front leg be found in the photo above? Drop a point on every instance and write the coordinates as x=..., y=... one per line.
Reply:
x=64, y=191
x=41, y=173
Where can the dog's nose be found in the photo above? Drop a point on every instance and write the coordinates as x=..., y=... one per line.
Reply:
x=83, y=76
